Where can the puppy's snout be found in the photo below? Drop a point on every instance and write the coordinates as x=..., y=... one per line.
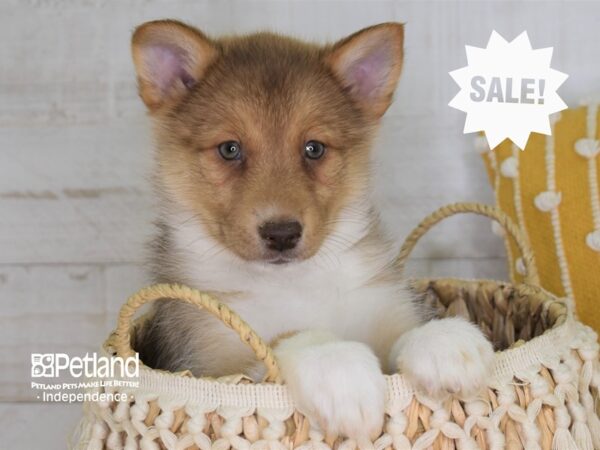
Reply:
x=281, y=236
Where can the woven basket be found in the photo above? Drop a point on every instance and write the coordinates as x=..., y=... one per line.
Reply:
x=543, y=393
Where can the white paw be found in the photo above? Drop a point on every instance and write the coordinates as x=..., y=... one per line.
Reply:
x=447, y=356
x=337, y=384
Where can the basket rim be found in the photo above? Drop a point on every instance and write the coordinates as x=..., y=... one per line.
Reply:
x=543, y=350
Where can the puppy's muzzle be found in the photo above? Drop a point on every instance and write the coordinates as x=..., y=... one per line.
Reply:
x=280, y=236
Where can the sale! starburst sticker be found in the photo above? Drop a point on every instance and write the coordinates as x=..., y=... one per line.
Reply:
x=508, y=90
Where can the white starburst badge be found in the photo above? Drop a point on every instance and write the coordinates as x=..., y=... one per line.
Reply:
x=508, y=90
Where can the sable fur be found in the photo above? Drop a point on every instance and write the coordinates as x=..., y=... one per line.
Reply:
x=272, y=94
x=275, y=90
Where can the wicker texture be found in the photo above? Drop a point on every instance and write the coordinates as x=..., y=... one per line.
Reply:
x=542, y=393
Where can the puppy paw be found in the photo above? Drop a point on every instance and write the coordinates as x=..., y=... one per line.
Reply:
x=447, y=356
x=337, y=384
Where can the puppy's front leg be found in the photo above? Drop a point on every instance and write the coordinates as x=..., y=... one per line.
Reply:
x=337, y=383
x=444, y=356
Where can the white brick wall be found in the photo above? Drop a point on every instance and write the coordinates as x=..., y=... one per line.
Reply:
x=75, y=207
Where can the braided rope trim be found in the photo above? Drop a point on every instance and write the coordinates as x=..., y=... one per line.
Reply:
x=491, y=212
x=122, y=336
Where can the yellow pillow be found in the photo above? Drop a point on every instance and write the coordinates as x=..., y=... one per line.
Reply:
x=551, y=190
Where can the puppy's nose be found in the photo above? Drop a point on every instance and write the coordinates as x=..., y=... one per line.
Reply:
x=280, y=236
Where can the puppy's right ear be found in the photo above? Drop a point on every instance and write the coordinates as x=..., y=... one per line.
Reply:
x=170, y=58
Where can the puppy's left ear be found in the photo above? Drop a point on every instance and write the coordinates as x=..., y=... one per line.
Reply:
x=368, y=64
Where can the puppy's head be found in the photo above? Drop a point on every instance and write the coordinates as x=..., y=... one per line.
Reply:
x=263, y=138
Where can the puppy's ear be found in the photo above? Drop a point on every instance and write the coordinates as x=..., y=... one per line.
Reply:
x=368, y=64
x=170, y=58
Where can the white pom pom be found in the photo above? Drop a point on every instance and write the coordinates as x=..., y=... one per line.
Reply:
x=498, y=229
x=554, y=118
x=520, y=267
x=588, y=148
x=547, y=201
x=481, y=144
x=593, y=240
x=510, y=167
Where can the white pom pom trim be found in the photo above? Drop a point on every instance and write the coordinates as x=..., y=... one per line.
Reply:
x=554, y=118
x=547, y=200
x=510, y=167
x=481, y=144
x=520, y=267
x=593, y=240
x=588, y=148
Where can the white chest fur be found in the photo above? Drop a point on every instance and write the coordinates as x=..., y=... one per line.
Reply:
x=333, y=290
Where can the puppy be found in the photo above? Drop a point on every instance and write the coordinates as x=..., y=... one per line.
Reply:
x=262, y=150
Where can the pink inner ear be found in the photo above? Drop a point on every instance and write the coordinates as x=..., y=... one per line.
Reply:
x=369, y=72
x=166, y=67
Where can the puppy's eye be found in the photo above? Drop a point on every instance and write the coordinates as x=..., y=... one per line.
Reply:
x=230, y=150
x=314, y=149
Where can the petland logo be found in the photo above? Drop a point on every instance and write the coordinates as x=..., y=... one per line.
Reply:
x=53, y=365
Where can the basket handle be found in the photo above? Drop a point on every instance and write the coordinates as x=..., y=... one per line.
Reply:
x=122, y=340
x=531, y=277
